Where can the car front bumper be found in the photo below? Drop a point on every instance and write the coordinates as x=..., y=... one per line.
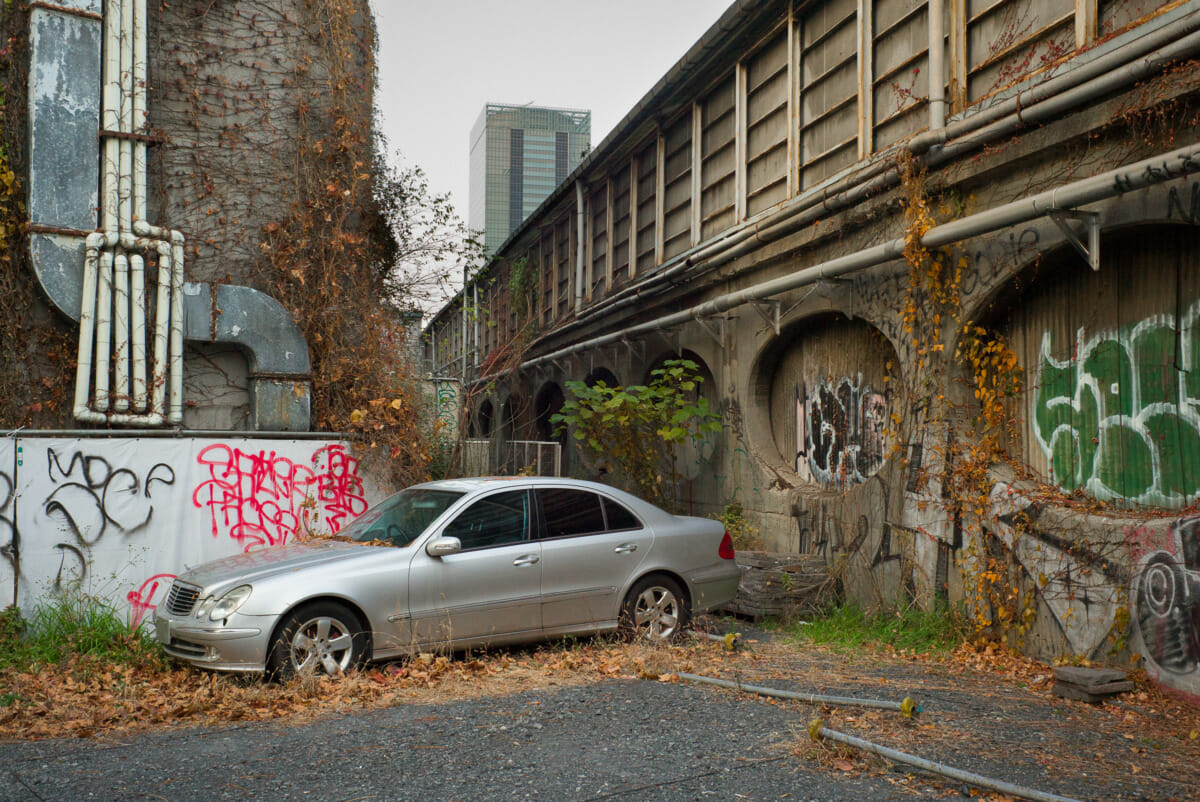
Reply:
x=239, y=643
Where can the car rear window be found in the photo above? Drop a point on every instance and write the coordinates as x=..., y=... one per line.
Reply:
x=619, y=518
x=571, y=512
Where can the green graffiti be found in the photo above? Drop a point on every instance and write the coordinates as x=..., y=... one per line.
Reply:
x=1120, y=418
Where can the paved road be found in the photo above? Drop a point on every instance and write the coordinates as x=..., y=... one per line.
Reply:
x=614, y=740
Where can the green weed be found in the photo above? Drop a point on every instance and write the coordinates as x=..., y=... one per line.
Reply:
x=849, y=627
x=66, y=628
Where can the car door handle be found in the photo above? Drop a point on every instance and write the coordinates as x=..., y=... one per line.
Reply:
x=625, y=548
x=526, y=559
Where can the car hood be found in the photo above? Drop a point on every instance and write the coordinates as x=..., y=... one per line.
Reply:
x=258, y=565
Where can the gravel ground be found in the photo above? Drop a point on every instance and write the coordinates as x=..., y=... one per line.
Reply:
x=638, y=739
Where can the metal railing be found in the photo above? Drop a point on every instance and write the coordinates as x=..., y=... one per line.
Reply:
x=533, y=457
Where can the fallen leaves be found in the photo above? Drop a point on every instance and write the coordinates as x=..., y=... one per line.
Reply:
x=82, y=699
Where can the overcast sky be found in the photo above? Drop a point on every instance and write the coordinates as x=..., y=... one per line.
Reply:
x=440, y=61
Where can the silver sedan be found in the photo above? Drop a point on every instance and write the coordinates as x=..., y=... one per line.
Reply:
x=452, y=565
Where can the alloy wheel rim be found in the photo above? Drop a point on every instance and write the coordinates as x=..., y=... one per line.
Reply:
x=657, y=613
x=323, y=644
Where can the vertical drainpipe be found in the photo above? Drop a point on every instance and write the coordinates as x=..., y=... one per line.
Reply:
x=464, y=327
x=937, y=65
x=579, y=249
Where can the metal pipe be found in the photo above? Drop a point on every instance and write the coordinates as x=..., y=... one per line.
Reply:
x=137, y=310
x=120, y=357
x=579, y=248
x=87, y=320
x=162, y=329
x=165, y=433
x=908, y=707
x=817, y=730
x=140, y=115
x=1184, y=161
x=937, y=65
x=103, y=328
x=175, y=413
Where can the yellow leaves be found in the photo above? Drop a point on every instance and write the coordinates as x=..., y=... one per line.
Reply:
x=357, y=415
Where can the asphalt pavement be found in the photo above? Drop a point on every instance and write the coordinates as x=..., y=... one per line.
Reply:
x=624, y=739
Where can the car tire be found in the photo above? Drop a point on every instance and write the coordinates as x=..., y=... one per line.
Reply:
x=318, y=638
x=655, y=609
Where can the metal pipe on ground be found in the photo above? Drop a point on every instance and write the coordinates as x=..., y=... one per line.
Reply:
x=817, y=730
x=908, y=707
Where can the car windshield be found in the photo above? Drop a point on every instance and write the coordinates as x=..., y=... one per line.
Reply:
x=399, y=519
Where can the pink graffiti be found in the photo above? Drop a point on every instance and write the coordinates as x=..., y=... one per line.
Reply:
x=141, y=601
x=262, y=498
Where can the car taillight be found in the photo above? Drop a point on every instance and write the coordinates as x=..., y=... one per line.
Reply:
x=725, y=550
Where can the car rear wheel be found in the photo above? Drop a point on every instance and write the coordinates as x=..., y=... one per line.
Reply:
x=655, y=609
x=320, y=638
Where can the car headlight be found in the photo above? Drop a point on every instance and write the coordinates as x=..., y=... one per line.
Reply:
x=225, y=606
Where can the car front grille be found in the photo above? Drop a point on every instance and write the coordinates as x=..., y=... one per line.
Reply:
x=182, y=599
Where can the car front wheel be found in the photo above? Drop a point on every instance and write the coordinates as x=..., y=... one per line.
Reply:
x=320, y=638
x=656, y=609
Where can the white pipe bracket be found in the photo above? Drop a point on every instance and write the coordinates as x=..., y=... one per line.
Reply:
x=1091, y=251
x=717, y=331
x=771, y=316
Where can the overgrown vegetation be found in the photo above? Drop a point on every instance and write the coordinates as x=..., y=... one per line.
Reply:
x=908, y=629
x=88, y=633
x=744, y=535
x=635, y=430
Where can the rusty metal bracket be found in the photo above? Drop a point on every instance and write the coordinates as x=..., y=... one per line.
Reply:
x=1091, y=251
x=772, y=317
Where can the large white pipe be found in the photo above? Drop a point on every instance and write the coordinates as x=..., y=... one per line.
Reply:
x=175, y=413
x=137, y=313
x=87, y=320
x=120, y=356
x=162, y=328
x=103, y=328
x=140, y=121
x=125, y=180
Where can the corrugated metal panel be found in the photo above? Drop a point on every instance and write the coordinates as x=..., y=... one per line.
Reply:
x=1009, y=39
x=598, y=217
x=718, y=159
x=828, y=90
x=647, y=206
x=621, y=223
x=1117, y=14
x=677, y=187
x=1112, y=368
x=766, y=125
x=900, y=58
x=829, y=403
x=564, y=257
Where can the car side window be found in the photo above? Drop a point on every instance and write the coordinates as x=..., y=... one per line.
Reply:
x=495, y=520
x=619, y=518
x=570, y=512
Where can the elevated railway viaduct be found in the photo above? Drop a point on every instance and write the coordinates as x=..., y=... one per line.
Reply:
x=938, y=262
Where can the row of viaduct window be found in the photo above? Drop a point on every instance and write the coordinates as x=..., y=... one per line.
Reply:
x=831, y=84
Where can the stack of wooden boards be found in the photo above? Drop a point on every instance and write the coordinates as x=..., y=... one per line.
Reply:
x=781, y=585
x=1089, y=684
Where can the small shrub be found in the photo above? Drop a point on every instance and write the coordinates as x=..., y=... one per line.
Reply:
x=745, y=537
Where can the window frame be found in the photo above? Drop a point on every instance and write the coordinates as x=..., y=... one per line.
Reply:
x=531, y=521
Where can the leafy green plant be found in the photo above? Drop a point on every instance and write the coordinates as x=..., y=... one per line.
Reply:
x=850, y=627
x=639, y=427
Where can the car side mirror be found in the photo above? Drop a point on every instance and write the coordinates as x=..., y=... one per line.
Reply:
x=443, y=546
